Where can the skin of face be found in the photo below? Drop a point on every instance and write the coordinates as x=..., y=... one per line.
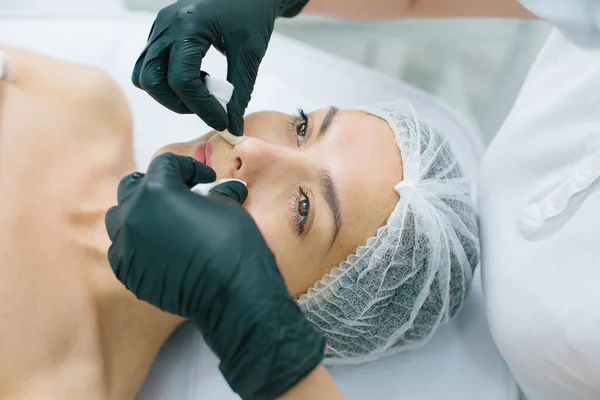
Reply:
x=292, y=165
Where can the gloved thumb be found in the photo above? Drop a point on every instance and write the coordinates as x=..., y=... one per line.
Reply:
x=232, y=189
x=242, y=72
x=169, y=169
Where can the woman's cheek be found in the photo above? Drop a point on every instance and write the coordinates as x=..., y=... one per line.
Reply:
x=272, y=226
x=265, y=222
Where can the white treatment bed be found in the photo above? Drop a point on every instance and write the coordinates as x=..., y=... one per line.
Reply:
x=459, y=363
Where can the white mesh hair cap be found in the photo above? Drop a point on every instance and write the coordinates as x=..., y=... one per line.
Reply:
x=414, y=274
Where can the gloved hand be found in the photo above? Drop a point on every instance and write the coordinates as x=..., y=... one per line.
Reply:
x=204, y=258
x=169, y=67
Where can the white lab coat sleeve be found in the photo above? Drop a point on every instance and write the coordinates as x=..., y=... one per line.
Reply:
x=539, y=212
x=579, y=20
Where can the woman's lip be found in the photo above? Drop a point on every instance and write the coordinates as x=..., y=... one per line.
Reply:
x=203, y=153
x=199, y=152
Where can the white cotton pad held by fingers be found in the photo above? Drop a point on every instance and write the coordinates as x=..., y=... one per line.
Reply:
x=231, y=138
x=203, y=189
x=5, y=67
x=222, y=90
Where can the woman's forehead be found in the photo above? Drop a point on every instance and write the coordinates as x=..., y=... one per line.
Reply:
x=366, y=167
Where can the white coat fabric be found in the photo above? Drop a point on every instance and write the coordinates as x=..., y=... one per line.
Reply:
x=579, y=20
x=539, y=198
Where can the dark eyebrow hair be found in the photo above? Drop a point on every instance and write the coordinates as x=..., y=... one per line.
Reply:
x=329, y=192
x=327, y=121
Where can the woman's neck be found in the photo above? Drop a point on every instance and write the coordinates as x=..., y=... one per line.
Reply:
x=131, y=333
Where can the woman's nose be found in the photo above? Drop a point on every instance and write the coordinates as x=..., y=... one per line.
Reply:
x=255, y=158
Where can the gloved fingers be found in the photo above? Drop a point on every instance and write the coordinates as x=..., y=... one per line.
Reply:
x=233, y=190
x=235, y=114
x=113, y=256
x=122, y=273
x=185, y=79
x=112, y=221
x=171, y=169
x=137, y=69
x=154, y=77
x=128, y=185
x=151, y=33
x=242, y=69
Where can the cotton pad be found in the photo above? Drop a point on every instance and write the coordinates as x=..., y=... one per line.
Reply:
x=231, y=138
x=222, y=90
x=203, y=189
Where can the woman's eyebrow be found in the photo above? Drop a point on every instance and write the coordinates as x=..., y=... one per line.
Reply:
x=327, y=121
x=329, y=192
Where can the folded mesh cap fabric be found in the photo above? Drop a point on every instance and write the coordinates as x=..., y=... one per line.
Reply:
x=413, y=276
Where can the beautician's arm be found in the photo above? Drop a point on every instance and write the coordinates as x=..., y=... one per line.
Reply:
x=393, y=9
x=318, y=385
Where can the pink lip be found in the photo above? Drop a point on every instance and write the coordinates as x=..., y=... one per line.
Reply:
x=203, y=153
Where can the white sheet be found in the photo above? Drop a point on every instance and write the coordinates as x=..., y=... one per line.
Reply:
x=459, y=363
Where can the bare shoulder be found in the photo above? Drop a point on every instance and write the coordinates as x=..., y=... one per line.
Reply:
x=82, y=95
x=69, y=118
x=65, y=141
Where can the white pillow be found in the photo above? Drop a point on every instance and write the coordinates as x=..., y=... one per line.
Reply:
x=460, y=362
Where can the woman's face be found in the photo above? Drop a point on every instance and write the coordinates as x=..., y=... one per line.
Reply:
x=319, y=185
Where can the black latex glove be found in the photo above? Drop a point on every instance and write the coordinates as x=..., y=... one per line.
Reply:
x=204, y=258
x=169, y=67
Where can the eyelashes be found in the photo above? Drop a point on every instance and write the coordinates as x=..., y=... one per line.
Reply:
x=299, y=125
x=300, y=207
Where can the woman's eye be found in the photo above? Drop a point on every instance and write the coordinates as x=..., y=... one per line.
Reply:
x=303, y=207
x=301, y=132
x=301, y=210
x=299, y=125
